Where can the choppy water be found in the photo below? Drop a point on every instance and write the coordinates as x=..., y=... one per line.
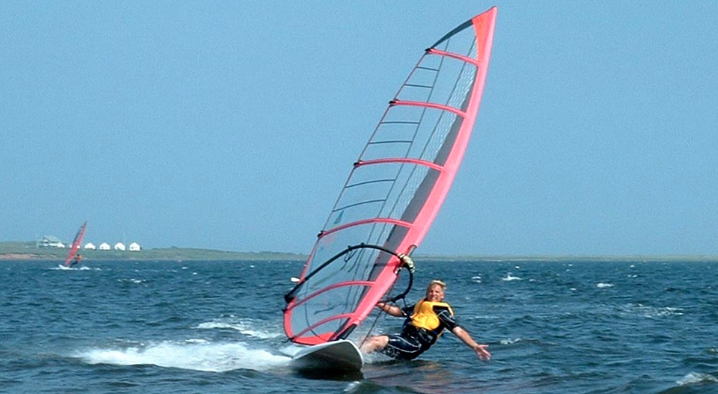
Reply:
x=216, y=327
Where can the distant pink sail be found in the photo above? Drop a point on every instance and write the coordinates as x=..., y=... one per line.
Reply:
x=395, y=189
x=75, y=245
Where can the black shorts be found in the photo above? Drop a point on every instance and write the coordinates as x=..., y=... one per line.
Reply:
x=408, y=345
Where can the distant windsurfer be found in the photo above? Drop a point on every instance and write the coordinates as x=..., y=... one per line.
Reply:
x=425, y=322
x=76, y=260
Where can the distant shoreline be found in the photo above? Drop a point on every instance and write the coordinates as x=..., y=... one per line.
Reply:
x=577, y=258
x=17, y=256
x=27, y=251
x=153, y=257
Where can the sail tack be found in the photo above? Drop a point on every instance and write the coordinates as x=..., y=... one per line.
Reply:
x=395, y=188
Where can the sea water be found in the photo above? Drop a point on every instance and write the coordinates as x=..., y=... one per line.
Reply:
x=216, y=327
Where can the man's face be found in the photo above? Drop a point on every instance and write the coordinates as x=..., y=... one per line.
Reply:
x=435, y=293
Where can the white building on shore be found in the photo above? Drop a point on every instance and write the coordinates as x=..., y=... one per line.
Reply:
x=49, y=241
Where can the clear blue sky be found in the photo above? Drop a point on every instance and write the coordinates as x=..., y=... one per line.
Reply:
x=233, y=125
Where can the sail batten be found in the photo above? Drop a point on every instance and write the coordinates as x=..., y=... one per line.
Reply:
x=366, y=221
x=430, y=105
x=395, y=188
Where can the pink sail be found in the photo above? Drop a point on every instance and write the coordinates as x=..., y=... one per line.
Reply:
x=75, y=245
x=395, y=188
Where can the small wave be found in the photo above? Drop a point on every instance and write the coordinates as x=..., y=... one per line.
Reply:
x=510, y=341
x=476, y=279
x=668, y=311
x=353, y=387
x=198, y=355
x=653, y=312
x=81, y=268
x=132, y=280
x=696, y=378
x=510, y=277
x=245, y=327
x=604, y=285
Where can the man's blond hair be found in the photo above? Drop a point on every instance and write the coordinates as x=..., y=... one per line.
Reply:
x=436, y=282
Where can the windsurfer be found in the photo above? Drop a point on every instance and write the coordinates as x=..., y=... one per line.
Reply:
x=425, y=321
x=76, y=261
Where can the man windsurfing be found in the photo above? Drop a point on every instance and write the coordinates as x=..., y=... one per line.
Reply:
x=425, y=322
x=76, y=260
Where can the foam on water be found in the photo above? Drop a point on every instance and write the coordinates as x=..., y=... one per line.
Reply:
x=510, y=277
x=652, y=311
x=199, y=355
x=132, y=280
x=695, y=378
x=510, y=341
x=81, y=268
x=246, y=327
